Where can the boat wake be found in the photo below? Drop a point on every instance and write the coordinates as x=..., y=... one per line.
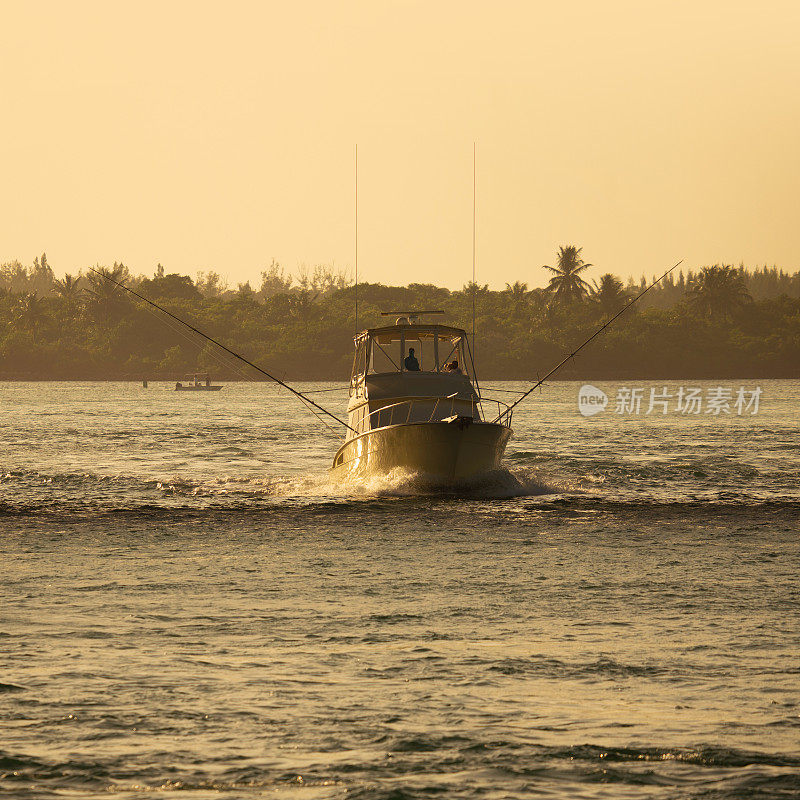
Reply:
x=77, y=494
x=495, y=484
x=526, y=490
x=35, y=492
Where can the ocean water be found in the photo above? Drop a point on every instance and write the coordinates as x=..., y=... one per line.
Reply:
x=188, y=604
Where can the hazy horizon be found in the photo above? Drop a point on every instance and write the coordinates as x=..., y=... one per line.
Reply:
x=211, y=139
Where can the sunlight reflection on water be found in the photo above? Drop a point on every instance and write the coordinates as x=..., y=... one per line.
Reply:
x=189, y=603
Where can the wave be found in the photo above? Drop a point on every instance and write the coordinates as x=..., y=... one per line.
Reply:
x=416, y=758
x=37, y=493
x=548, y=667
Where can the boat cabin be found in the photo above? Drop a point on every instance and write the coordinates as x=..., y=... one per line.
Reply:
x=411, y=372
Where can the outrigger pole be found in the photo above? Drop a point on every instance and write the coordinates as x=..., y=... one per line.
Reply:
x=222, y=347
x=594, y=335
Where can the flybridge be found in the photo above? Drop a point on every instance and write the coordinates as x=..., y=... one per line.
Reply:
x=435, y=347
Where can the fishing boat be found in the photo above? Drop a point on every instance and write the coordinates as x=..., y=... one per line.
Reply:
x=197, y=383
x=416, y=405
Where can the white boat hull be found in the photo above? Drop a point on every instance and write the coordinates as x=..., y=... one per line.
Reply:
x=451, y=450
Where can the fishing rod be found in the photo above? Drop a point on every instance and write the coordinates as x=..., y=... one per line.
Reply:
x=594, y=335
x=223, y=347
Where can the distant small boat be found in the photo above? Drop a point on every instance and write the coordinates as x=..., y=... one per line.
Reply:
x=197, y=383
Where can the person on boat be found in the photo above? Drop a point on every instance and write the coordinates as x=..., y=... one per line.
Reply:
x=412, y=365
x=453, y=367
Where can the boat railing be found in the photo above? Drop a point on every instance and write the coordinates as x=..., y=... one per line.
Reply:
x=501, y=410
x=401, y=412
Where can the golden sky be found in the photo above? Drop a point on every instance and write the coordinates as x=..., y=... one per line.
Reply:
x=221, y=135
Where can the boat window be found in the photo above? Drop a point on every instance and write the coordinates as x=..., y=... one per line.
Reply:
x=389, y=356
x=449, y=350
x=432, y=350
x=424, y=352
x=359, y=368
x=385, y=357
x=360, y=359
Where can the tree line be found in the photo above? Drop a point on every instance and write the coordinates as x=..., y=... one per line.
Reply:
x=715, y=322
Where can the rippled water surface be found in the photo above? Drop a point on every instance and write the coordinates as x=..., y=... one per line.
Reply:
x=188, y=604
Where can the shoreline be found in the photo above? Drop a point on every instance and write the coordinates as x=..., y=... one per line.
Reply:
x=582, y=378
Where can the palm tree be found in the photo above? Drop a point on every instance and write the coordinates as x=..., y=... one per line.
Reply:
x=718, y=291
x=29, y=312
x=518, y=290
x=68, y=287
x=518, y=294
x=567, y=285
x=609, y=294
x=105, y=297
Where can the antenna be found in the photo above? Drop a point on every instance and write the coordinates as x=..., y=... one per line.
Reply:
x=356, y=240
x=474, y=286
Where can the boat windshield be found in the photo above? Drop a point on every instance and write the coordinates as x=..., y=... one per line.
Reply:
x=434, y=347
